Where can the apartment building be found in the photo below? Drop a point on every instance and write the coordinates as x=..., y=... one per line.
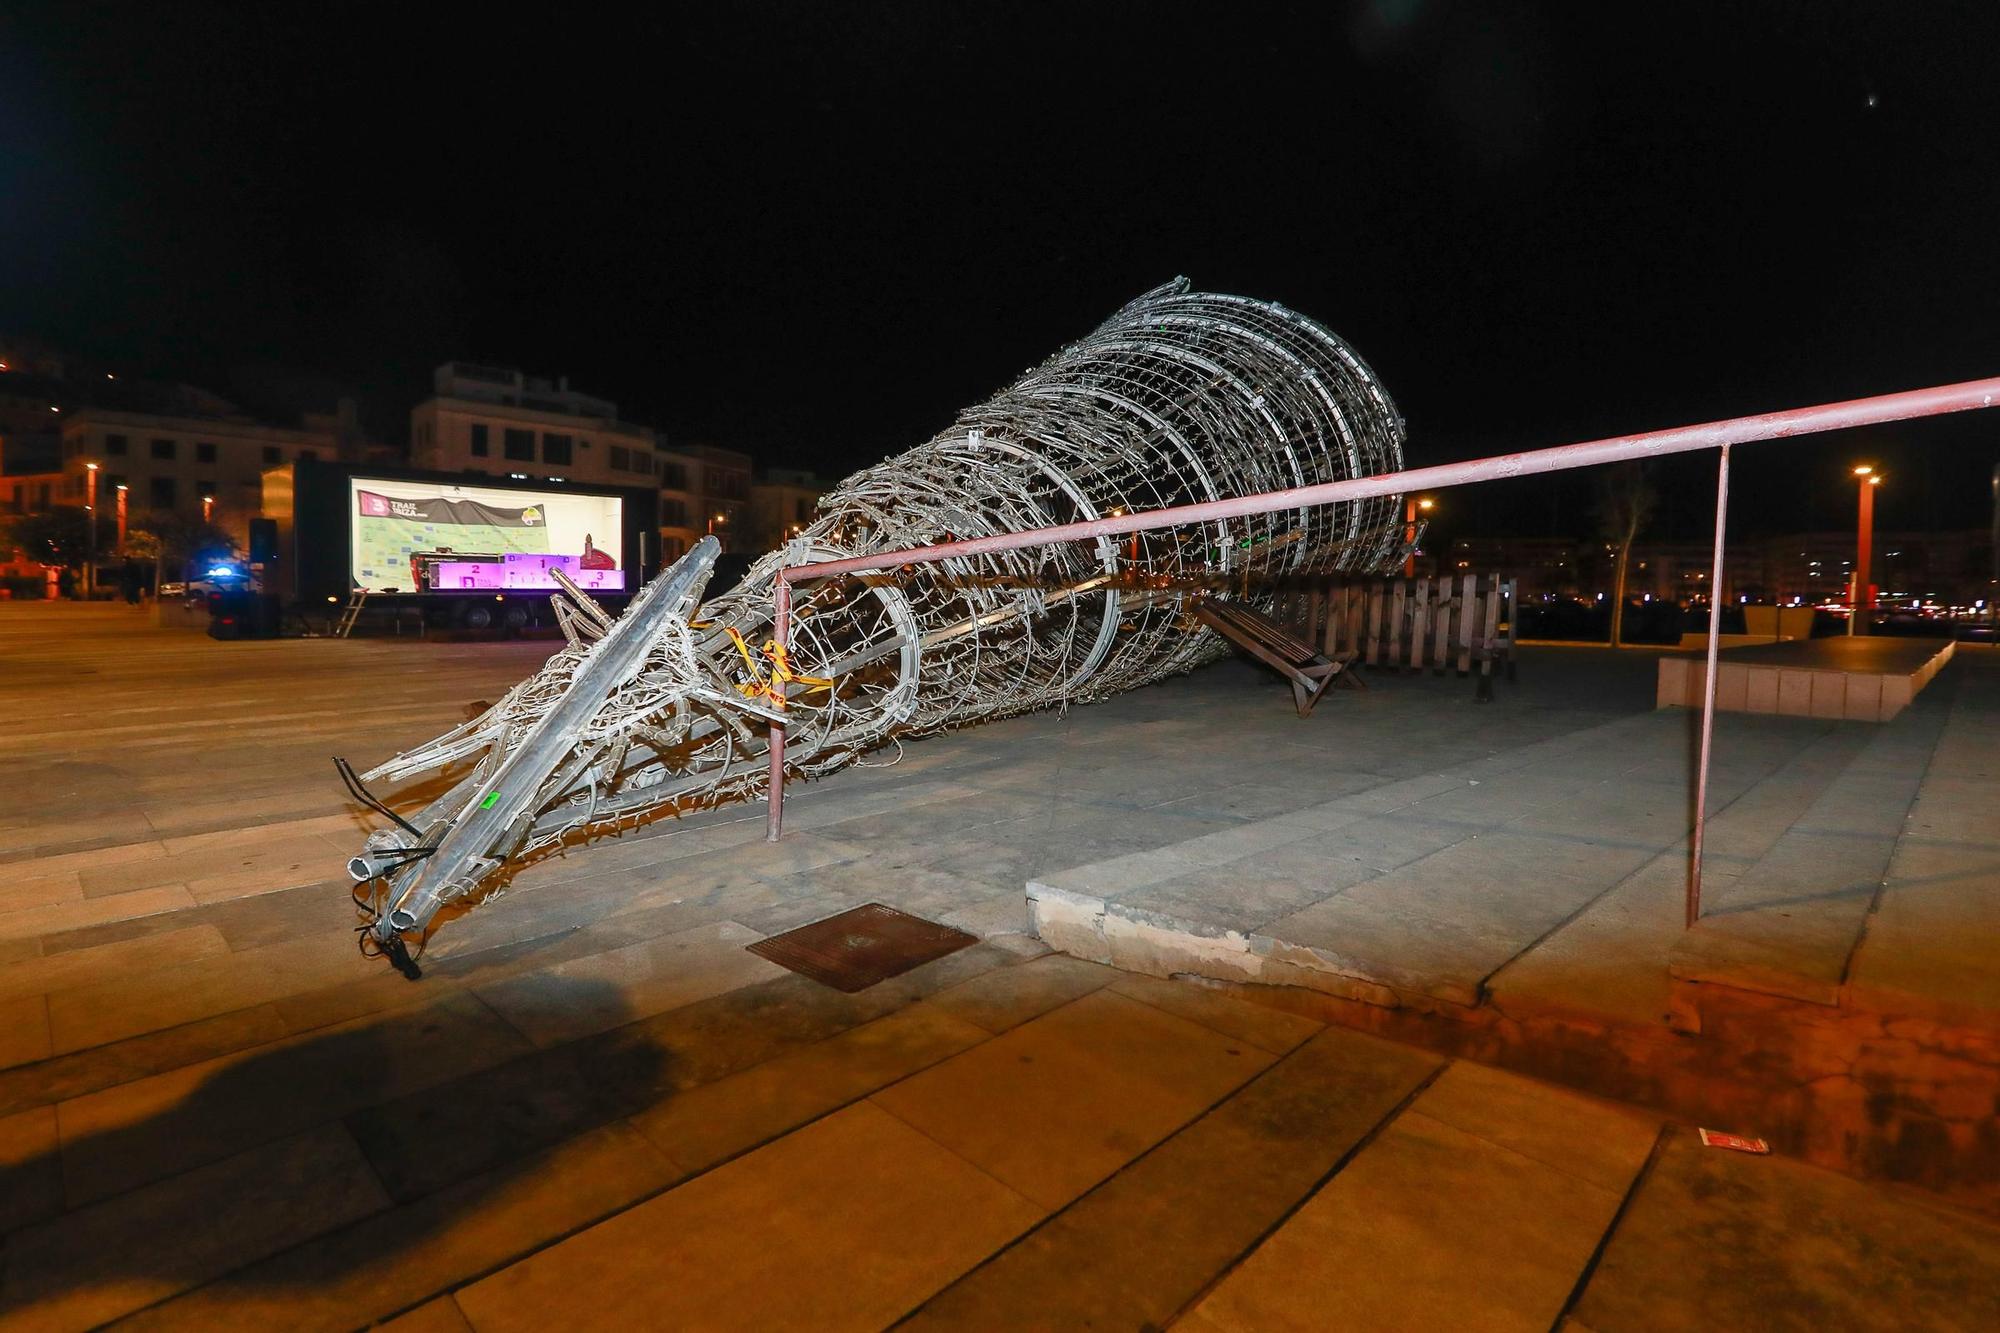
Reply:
x=705, y=491
x=500, y=422
x=186, y=465
x=782, y=503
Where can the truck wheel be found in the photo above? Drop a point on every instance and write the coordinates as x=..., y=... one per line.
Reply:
x=477, y=617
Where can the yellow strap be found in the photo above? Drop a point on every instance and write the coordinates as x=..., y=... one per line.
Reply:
x=771, y=688
x=781, y=669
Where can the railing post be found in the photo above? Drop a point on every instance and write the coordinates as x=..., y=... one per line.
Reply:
x=781, y=635
x=1708, y=688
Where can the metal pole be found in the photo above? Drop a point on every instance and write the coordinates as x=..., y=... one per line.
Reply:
x=1968, y=396
x=90, y=512
x=1864, y=543
x=1708, y=687
x=781, y=634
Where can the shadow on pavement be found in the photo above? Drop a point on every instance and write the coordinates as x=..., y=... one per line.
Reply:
x=291, y=1151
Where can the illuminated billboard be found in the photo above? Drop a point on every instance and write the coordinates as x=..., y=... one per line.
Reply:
x=417, y=536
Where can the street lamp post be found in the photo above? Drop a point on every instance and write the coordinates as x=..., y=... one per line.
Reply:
x=90, y=530
x=121, y=515
x=1410, y=510
x=1863, y=600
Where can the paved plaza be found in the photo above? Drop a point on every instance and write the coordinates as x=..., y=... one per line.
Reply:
x=599, y=1110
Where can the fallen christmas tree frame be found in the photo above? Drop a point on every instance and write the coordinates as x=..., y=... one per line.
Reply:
x=1180, y=398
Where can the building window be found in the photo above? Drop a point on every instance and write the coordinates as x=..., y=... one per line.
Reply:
x=519, y=445
x=163, y=492
x=621, y=458
x=673, y=476
x=673, y=513
x=271, y=453
x=204, y=453
x=479, y=441
x=115, y=444
x=164, y=449
x=308, y=455
x=557, y=449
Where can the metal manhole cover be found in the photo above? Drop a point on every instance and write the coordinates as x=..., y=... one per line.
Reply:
x=861, y=946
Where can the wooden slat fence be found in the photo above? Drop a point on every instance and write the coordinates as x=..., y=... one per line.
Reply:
x=1464, y=622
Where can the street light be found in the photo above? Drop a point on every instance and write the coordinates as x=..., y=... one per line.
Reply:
x=121, y=515
x=1132, y=546
x=1863, y=600
x=90, y=512
x=1410, y=511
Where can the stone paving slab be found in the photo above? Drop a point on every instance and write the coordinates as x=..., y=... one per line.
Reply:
x=708, y=1125
x=1443, y=1221
x=393, y=1259
x=1789, y=924
x=858, y=1203
x=1723, y=1240
x=1610, y=958
x=1140, y=1247
x=1054, y=1106
x=144, y=1130
x=552, y=1005
x=94, y=1264
x=1929, y=947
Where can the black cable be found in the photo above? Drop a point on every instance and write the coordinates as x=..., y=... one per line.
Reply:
x=368, y=798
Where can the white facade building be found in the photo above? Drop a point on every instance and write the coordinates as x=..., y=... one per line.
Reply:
x=505, y=424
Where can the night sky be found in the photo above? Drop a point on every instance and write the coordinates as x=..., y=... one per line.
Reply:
x=816, y=231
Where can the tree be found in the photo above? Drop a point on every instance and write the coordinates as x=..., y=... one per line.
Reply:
x=1625, y=500
x=170, y=540
x=56, y=536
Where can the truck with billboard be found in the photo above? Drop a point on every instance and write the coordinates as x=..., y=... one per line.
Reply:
x=461, y=548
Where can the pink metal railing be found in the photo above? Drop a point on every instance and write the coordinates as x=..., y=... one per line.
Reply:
x=1965, y=397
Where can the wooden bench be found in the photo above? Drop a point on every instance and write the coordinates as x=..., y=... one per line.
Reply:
x=1309, y=670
